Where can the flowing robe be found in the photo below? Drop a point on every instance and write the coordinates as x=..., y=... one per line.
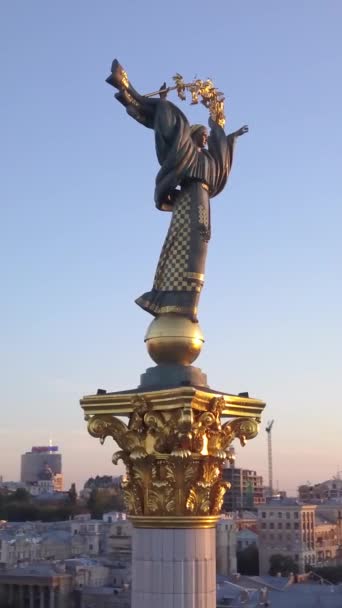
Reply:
x=188, y=178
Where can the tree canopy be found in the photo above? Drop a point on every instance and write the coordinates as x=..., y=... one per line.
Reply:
x=283, y=564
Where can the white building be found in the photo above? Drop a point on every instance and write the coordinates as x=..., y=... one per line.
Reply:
x=226, y=545
x=286, y=527
x=246, y=538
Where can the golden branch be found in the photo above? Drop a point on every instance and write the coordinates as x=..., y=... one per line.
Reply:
x=201, y=91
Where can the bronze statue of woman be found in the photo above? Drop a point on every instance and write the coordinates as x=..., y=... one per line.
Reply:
x=194, y=168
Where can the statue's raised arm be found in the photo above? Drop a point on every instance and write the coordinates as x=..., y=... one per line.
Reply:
x=188, y=177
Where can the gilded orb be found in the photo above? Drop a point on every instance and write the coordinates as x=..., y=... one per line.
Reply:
x=173, y=339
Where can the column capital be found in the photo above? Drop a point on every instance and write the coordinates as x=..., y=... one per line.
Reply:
x=173, y=446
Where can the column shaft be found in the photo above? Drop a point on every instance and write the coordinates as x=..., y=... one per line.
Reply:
x=173, y=568
x=41, y=597
x=52, y=598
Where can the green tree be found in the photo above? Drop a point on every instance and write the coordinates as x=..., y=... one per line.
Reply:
x=101, y=501
x=20, y=495
x=72, y=493
x=283, y=564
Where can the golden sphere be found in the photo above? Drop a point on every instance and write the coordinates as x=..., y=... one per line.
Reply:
x=173, y=339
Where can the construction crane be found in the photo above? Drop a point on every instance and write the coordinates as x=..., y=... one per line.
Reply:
x=269, y=447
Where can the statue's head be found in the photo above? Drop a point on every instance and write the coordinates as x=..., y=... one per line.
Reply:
x=199, y=135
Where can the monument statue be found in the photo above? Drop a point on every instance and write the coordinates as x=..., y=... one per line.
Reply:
x=195, y=166
x=174, y=431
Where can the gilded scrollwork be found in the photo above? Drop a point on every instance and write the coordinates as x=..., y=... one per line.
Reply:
x=244, y=429
x=173, y=458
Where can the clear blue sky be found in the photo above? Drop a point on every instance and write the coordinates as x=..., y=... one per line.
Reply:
x=80, y=235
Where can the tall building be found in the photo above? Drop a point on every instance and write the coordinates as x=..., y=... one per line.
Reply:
x=286, y=527
x=246, y=489
x=326, y=490
x=43, y=463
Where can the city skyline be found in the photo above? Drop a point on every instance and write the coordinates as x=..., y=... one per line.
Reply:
x=108, y=469
x=270, y=310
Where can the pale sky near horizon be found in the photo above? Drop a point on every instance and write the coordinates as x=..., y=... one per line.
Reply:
x=80, y=235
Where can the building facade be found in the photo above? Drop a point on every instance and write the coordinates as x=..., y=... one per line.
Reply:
x=42, y=463
x=326, y=540
x=288, y=528
x=246, y=489
x=324, y=491
x=226, y=546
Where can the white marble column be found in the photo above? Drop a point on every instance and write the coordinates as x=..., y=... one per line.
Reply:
x=41, y=596
x=31, y=591
x=173, y=568
x=52, y=598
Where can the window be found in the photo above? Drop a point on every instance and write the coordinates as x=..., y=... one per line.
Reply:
x=280, y=526
x=288, y=515
x=288, y=526
x=296, y=526
x=263, y=514
x=296, y=515
x=271, y=525
x=280, y=515
x=263, y=525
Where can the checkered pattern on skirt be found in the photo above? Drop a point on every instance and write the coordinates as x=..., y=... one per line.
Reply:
x=172, y=270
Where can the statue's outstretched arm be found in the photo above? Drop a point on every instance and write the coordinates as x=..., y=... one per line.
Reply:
x=239, y=132
x=138, y=106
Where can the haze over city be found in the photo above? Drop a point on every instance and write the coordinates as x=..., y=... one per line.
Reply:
x=81, y=234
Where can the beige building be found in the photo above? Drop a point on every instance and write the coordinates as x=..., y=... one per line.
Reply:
x=226, y=546
x=23, y=546
x=63, y=584
x=105, y=597
x=326, y=540
x=35, y=588
x=287, y=527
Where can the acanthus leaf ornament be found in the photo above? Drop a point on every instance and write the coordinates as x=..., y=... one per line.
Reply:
x=168, y=470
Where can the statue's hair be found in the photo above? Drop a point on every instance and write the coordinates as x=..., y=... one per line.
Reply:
x=195, y=128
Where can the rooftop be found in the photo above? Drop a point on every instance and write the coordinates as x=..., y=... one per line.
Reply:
x=278, y=591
